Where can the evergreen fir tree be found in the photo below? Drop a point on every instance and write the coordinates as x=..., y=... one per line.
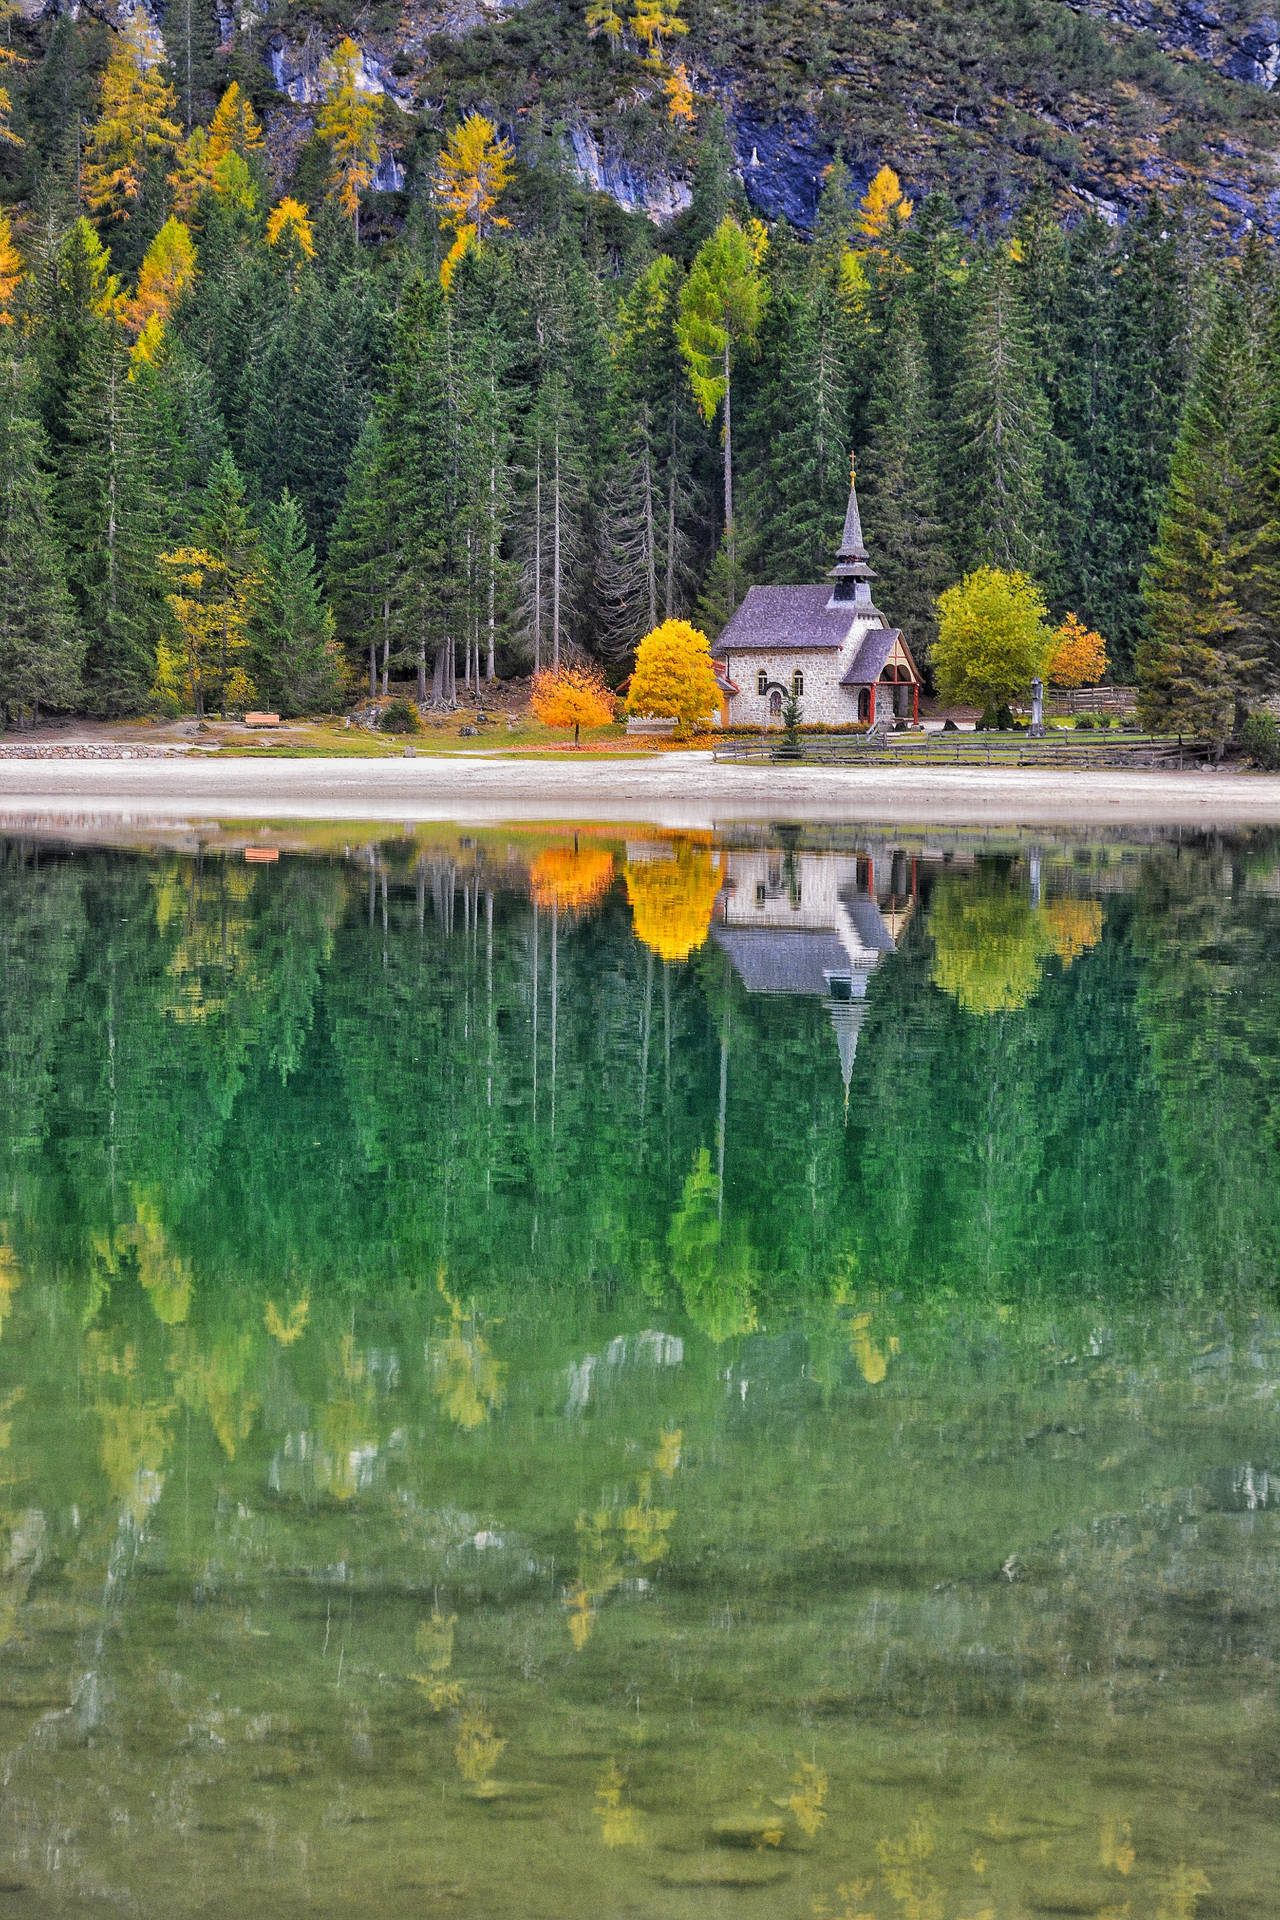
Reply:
x=109, y=511
x=364, y=561
x=293, y=655
x=1210, y=648
x=898, y=479
x=40, y=650
x=1001, y=430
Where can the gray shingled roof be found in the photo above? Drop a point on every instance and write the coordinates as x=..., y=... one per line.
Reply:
x=788, y=618
x=868, y=662
x=771, y=960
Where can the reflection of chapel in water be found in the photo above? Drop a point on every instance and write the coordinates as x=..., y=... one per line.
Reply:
x=816, y=924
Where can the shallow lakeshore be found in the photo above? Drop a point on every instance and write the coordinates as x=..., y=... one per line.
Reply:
x=678, y=790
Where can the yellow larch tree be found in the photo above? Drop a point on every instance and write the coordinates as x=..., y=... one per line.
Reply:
x=348, y=121
x=211, y=604
x=10, y=271
x=473, y=172
x=883, y=211
x=604, y=18
x=136, y=125
x=8, y=58
x=168, y=269
x=235, y=127
x=290, y=236
x=573, y=879
x=679, y=94
x=653, y=24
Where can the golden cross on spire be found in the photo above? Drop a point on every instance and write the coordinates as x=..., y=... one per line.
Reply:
x=853, y=469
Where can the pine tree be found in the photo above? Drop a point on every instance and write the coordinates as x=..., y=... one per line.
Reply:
x=1210, y=649
x=188, y=28
x=899, y=481
x=1000, y=440
x=292, y=650
x=40, y=649
x=364, y=559
x=108, y=508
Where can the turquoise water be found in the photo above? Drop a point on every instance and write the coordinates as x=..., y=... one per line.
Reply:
x=547, y=1373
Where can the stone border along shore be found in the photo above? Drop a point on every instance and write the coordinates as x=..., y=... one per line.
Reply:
x=91, y=750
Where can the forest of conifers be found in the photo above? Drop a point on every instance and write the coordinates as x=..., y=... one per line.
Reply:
x=250, y=454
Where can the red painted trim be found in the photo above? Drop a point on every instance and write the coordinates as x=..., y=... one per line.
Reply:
x=872, y=719
x=915, y=709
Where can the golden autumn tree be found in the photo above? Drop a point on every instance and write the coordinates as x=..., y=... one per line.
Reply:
x=603, y=17
x=168, y=269
x=235, y=127
x=679, y=90
x=1074, y=926
x=211, y=605
x=672, y=899
x=10, y=271
x=673, y=675
x=654, y=24
x=571, y=697
x=883, y=211
x=473, y=172
x=1079, y=656
x=348, y=121
x=136, y=126
x=289, y=227
x=8, y=58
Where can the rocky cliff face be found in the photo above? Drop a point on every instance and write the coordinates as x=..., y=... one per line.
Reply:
x=1141, y=96
x=1240, y=44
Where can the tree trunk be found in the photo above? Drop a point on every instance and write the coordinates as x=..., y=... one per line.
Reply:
x=555, y=563
x=537, y=561
x=373, y=669
x=650, y=552
x=422, y=673
x=386, y=659
x=728, y=483
x=671, y=515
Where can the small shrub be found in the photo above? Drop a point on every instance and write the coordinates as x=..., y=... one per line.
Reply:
x=1260, y=738
x=1085, y=722
x=400, y=717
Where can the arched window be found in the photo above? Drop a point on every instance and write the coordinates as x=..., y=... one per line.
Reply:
x=775, y=705
x=797, y=683
x=762, y=682
x=864, y=703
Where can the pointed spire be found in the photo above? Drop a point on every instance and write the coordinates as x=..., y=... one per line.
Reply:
x=851, y=561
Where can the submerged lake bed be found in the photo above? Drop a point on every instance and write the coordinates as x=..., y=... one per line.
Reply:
x=597, y=1370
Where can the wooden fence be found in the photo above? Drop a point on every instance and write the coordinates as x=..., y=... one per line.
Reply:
x=969, y=750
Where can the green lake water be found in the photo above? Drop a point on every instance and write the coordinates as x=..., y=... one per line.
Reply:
x=613, y=1373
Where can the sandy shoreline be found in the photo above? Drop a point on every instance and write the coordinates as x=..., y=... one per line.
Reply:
x=685, y=790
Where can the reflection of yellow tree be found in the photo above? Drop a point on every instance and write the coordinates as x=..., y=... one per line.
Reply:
x=433, y=1644
x=619, y=1822
x=478, y=1750
x=135, y=1431
x=212, y=1379
x=905, y=1871
x=345, y=1422
x=571, y=878
x=671, y=900
x=213, y=955
x=466, y=1377
x=1075, y=926
x=10, y=1277
x=624, y=1540
x=990, y=943
x=808, y=1798
x=166, y=1277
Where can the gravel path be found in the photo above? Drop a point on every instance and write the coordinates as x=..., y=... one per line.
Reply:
x=668, y=789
